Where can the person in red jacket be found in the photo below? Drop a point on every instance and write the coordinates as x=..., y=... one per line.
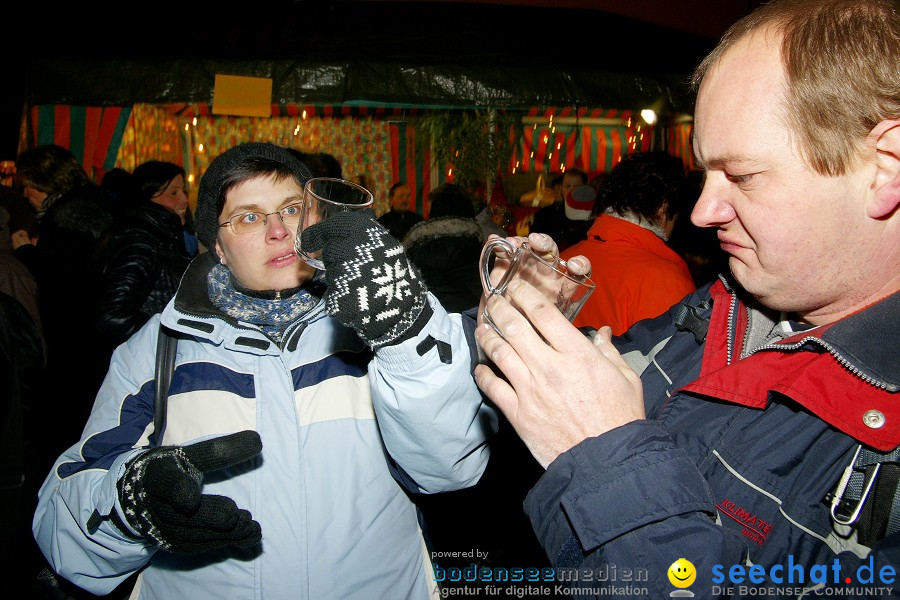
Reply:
x=637, y=274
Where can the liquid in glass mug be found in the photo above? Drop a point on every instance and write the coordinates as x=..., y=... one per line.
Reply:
x=567, y=291
x=324, y=197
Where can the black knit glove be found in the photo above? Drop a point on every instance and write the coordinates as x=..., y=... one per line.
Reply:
x=160, y=495
x=372, y=285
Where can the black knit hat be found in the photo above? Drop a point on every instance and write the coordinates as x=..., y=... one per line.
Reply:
x=210, y=200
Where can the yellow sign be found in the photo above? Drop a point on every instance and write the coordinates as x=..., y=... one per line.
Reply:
x=242, y=96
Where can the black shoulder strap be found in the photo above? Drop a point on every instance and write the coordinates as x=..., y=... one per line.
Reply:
x=166, y=344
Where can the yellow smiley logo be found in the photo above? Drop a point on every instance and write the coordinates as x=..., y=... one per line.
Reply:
x=682, y=573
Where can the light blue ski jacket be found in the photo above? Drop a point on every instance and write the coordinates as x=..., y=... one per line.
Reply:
x=340, y=427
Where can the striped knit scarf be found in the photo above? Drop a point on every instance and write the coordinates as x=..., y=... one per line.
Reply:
x=271, y=311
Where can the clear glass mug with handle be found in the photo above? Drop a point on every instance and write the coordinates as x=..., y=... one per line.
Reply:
x=567, y=291
x=324, y=197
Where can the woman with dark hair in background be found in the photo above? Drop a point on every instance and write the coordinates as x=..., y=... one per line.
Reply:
x=146, y=254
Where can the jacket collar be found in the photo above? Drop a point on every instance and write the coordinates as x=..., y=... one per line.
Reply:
x=442, y=227
x=192, y=296
x=616, y=230
x=192, y=312
x=845, y=372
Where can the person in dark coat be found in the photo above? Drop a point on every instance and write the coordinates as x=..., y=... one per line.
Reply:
x=446, y=248
x=15, y=278
x=74, y=217
x=399, y=219
x=146, y=255
x=21, y=375
x=555, y=221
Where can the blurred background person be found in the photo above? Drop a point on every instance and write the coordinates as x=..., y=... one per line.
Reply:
x=322, y=164
x=146, y=254
x=361, y=179
x=579, y=210
x=74, y=217
x=122, y=185
x=15, y=278
x=399, y=219
x=22, y=405
x=446, y=248
x=637, y=274
x=552, y=219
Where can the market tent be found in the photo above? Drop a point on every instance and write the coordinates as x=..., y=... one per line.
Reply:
x=369, y=68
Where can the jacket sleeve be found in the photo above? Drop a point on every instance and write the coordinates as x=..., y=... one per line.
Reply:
x=630, y=498
x=129, y=274
x=70, y=524
x=434, y=421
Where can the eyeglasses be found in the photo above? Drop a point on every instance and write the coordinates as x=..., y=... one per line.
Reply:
x=249, y=222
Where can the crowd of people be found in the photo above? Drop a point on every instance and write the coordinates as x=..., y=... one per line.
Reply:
x=329, y=431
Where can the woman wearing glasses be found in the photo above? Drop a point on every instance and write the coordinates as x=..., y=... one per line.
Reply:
x=273, y=478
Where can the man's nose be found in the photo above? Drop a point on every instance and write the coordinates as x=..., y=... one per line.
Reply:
x=713, y=207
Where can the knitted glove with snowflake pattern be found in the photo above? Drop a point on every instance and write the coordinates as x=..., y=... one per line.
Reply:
x=372, y=286
x=160, y=495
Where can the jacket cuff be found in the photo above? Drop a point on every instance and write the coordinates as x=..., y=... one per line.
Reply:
x=417, y=325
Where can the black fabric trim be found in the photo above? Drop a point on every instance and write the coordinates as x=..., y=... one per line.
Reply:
x=469, y=321
x=688, y=318
x=198, y=325
x=295, y=337
x=253, y=342
x=445, y=352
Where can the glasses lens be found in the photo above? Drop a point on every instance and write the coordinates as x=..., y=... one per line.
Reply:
x=248, y=222
x=290, y=214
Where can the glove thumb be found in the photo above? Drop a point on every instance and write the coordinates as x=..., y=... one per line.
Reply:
x=224, y=451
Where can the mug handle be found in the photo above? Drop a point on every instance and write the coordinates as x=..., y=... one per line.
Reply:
x=485, y=261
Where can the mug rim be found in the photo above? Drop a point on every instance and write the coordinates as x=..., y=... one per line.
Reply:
x=307, y=189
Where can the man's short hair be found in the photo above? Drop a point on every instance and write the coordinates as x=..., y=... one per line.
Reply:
x=394, y=189
x=577, y=173
x=841, y=62
x=50, y=169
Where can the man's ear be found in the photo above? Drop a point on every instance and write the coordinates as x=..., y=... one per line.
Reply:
x=219, y=252
x=886, y=198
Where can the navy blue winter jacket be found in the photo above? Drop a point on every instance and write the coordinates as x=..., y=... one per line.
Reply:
x=732, y=466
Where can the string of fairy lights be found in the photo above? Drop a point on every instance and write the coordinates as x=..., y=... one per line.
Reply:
x=635, y=135
x=634, y=140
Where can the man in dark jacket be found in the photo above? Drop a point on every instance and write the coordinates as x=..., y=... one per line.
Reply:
x=399, y=219
x=704, y=448
x=556, y=221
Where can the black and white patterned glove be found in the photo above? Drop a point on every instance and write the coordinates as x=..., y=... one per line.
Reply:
x=160, y=496
x=372, y=285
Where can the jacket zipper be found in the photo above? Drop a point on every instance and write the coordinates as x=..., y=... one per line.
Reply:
x=731, y=317
x=797, y=345
x=831, y=350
